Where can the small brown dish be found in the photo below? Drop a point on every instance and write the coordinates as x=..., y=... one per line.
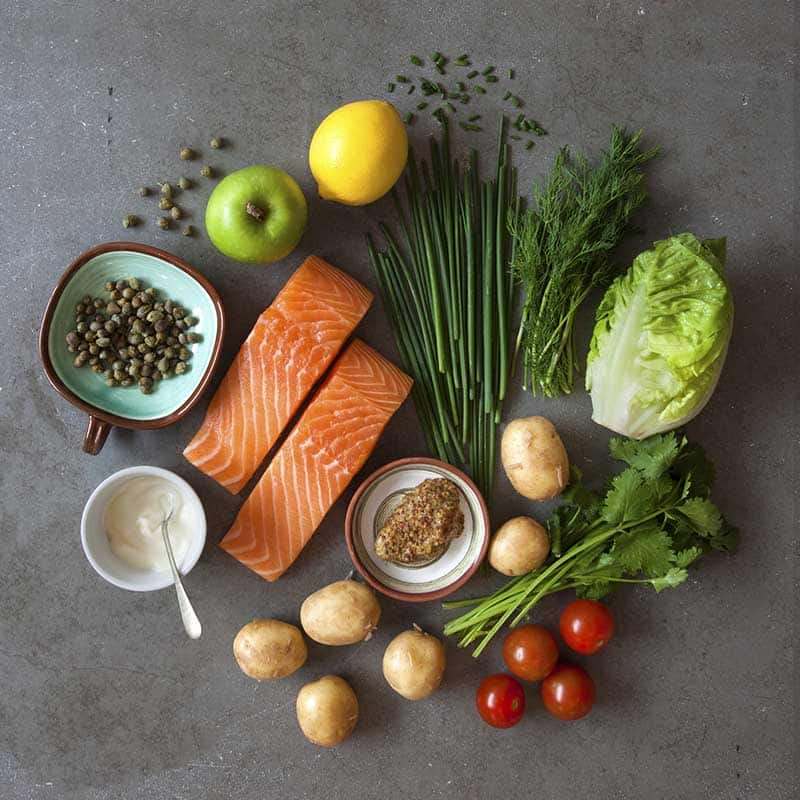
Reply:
x=375, y=500
x=127, y=407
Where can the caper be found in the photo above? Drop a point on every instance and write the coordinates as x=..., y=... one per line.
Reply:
x=112, y=308
x=163, y=365
x=175, y=213
x=191, y=338
x=180, y=367
x=207, y=172
x=103, y=355
x=121, y=284
x=157, y=376
x=133, y=283
x=137, y=361
x=89, y=336
x=118, y=374
x=131, y=350
x=110, y=380
x=161, y=325
x=146, y=369
x=165, y=204
x=94, y=361
x=143, y=311
x=166, y=190
x=103, y=341
x=109, y=286
x=215, y=143
x=81, y=359
x=184, y=354
x=169, y=352
x=155, y=315
x=111, y=325
x=172, y=340
x=128, y=293
x=94, y=349
x=145, y=388
x=118, y=365
x=187, y=154
x=143, y=191
x=184, y=183
x=126, y=308
x=163, y=223
x=190, y=321
x=71, y=348
x=126, y=382
x=179, y=312
x=83, y=346
x=150, y=291
x=73, y=338
x=133, y=370
x=161, y=337
x=82, y=327
x=149, y=357
x=80, y=308
x=134, y=338
x=188, y=230
x=151, y=341
x=116, y=294
x=98, y=303
x=130, y=221
x=99, y=317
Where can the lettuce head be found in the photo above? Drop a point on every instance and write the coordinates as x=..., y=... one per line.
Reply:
x=660, y=338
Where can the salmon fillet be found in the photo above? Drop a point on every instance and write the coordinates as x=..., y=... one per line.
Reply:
x=287, y=351
x=319, y=458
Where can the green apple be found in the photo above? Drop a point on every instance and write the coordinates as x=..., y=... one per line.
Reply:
x=256, y=214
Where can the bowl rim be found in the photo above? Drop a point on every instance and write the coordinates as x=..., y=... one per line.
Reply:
x=93, y=411
x=411, y=597
x=196, y=546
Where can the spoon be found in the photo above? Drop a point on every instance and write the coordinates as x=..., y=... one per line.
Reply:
x=190, y=621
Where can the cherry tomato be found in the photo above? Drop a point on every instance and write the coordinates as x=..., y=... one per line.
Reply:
x=568, y=692
x=500, y=700
x=530, y=652
x=586, y=626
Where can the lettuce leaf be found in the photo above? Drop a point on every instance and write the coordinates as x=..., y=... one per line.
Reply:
x=660, y=338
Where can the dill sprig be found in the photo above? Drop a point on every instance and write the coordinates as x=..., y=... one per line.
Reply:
x=563, y=245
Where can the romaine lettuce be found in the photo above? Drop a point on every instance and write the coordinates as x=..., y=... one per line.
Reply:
x=660, y=338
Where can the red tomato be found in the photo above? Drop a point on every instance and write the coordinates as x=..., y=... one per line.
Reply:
x=568, y=692
x=586, y=626
x=501, y=701
x=530, y=652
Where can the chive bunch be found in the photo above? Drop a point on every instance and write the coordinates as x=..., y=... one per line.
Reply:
x=447, y=288
x=442, y=100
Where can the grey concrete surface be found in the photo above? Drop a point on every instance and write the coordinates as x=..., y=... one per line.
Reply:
x=101, y=696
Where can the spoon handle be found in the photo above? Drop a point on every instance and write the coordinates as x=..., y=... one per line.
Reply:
x=191, y=623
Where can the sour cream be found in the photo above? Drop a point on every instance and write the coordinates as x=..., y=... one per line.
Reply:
x=132, y=522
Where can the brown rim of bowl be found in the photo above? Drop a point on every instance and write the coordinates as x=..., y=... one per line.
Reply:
x=93, y=411
x=410, y=597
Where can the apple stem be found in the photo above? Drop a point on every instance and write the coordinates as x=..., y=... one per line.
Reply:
x=256, y=212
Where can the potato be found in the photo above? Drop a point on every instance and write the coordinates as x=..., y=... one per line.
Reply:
x=327, y=710
x=534, y=458
x=413, y=664
x=266, y=649
x=519, y=546
x=344, y=612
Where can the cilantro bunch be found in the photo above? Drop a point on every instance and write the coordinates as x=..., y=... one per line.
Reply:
x=652, y=521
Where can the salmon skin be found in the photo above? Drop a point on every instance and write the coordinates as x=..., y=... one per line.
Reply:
x=289, y=348
x=319, y=458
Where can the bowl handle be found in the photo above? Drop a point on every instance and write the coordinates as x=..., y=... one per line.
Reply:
x=95, y=436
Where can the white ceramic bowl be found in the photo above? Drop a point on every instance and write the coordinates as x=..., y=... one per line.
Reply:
x=95, y=542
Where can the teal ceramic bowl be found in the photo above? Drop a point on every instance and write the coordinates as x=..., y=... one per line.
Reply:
x=127, y=407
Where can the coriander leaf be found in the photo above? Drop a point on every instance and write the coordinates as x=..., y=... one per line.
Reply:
x=703, y=516
x=629, y=498
x=652, y=457
x=670, y=579
x=645, y=549
x=576, y=494
x=594, y=591
x=685, y=557
x=693, y=466
x=726, y=539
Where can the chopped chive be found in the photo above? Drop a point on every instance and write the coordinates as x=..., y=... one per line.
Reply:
x=529, y=144
x=474, y=117
x=479, y=89
x=442, y=91
x=410, y=89
x=428, y=88
x=460, y=86
x=464, y=99
x=492, y=79
x=437, y=56
x=469, y=127
x=516, y=102
x=511, y=74
x=507, y=96
x=422, y=106
x=408, y=119
x=489, y=70
x=440, y=115
x=416, y=61
x=472, y=74
x=518, y=122
x=401, y=79
x=450, y=107
x=390, y=87
x=463, y=60
x=514, y=136
x=440, y=69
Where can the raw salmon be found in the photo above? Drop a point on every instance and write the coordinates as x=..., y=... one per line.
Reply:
x=330, y=443
x=290, y=347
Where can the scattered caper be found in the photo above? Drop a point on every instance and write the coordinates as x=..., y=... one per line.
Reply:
x=126, y=382
x=165, y=204
x=73, y=338
x=191, y=338
x=184, y=354
x=81, y=359
x=180, y=367
x=188, y=230
x=163, y=365
x=163, y=223
x=94, y=349
x=184, y=183
x=130, y=221
x=133, y=283
x=175, y=213
x=215, y=143
x=165, y=190
x=206, y=171
x=143, y=191
x=187, y=154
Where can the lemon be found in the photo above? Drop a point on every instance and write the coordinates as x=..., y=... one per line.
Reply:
x=358, y=152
